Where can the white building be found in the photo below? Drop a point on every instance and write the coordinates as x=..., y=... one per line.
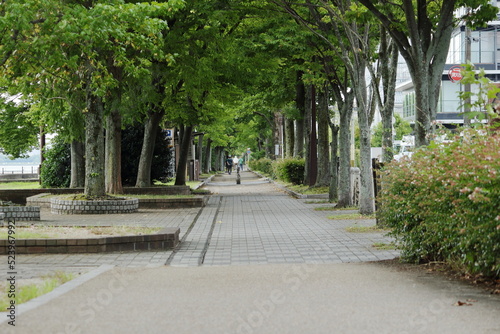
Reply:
x=484, y=53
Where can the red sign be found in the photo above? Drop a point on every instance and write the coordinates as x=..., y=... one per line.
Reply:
x=455, y=73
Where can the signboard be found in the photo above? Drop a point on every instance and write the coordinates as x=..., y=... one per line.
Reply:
x=455, y=73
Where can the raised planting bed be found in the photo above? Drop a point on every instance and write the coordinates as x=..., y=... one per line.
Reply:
x=167, y=238
x=20, y=213
x=19, y=196
x=43, y=201
x=103, y=206
x=172, y=203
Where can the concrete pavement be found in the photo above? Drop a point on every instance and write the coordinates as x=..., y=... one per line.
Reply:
x=254, y=260
x=296, y=298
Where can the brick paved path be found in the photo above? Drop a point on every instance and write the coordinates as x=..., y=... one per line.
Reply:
x=250, y=223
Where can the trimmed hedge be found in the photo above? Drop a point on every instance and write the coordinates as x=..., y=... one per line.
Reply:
x=263, y=165
x=443, y=204
x=290, y=170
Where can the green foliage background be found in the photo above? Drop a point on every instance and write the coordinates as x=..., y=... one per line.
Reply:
x=132, y=138
x=56, y=169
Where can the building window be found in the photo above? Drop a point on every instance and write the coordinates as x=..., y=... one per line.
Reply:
x=409, y=105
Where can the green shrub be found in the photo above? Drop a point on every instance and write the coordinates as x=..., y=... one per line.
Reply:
x=290, y=170
x=132, y=138
x=263, y=165
x=56, y=168
x=443, y=203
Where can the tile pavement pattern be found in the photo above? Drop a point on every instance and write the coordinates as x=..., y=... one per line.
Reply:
x=249, y=223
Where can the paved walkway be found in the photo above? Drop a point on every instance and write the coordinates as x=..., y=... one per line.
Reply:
x=254, y=260
x=250, y=223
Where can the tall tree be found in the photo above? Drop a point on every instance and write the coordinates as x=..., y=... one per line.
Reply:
x=422, y=32
x=58, y=40
x=353, y=43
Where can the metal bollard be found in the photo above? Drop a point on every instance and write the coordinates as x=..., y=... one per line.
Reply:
x=238, y=177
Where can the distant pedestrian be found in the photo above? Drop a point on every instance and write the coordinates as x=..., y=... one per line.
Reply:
x=229, y=165
x=235, y=161
x=241, y=164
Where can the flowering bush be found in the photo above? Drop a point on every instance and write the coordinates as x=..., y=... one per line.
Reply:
x=444, y=203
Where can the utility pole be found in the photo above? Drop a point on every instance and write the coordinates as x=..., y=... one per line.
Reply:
x=468, y=56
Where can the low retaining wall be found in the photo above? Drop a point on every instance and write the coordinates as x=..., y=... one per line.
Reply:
x=23, y=213
x=75, y=207
x=172, y=203
x=19, y=196
x=167, y=238
x=144, y=203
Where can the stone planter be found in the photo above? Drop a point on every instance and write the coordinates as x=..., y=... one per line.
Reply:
x=166, y=239
x=75, y=207
x=21, y=213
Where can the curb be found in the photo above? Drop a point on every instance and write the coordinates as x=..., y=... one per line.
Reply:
x=57, y=292
x=204, y=182
x=291, y=192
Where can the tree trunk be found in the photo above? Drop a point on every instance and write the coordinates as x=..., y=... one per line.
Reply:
x=218, y=159
x=345, y=111
x=389, y=62
x=323, y=179
x=77, y=164
x=307, y=136
x=366, y=194
x=207, y=157
x=113, y=152
x=278, y=126
x=298, y=145
x=289, y=137
x=146, y=160
x=199, y=151
x=333, y=190
x=300, y=101
x=94, y=147
x=180, y=177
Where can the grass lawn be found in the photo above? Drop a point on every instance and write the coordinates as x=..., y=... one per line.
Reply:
x=352, y=216
x=306, y=190
x=334, y=208
x=54, y=232
x=321, y=201
x=365, y=229
x=190, y=184
x=20, y=185
x=28, y=291
x=384, y=246
x=142, y=196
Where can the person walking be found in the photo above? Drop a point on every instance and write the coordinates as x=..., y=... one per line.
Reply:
x=229, y=165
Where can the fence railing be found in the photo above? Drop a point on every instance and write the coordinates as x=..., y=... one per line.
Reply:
x=7, y=170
